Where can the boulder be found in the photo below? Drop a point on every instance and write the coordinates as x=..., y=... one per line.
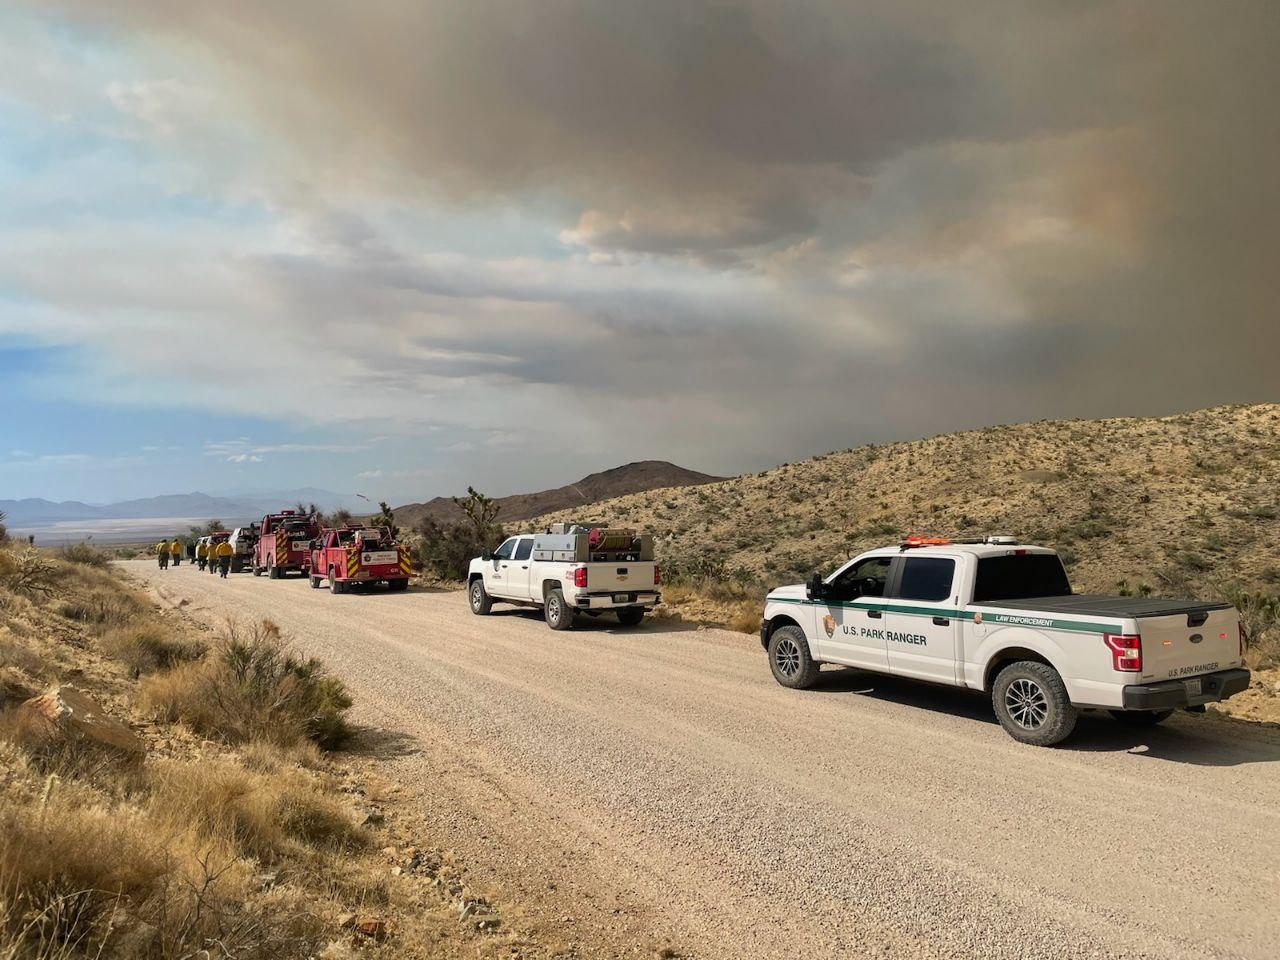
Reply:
x=72, y=714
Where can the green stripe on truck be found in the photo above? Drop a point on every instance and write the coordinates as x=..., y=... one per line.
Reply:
x=1009, y=619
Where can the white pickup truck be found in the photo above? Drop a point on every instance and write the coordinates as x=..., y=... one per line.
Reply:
x=566, y=569
x=1001, y=618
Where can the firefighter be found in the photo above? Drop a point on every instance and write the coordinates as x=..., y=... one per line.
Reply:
x=202, y=552
x=162, y=554
x=224, y=552
x=175, y=552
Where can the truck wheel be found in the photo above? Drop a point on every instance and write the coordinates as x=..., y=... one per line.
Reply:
x=399, y=585
x=1032, y=705
x=1141, y=718
x=789, y=659
x=630, y=616
x=559, y=614
x=479, y=598
x=273, y=572
x=336, y=585
x=257, y=570
x=316, y=581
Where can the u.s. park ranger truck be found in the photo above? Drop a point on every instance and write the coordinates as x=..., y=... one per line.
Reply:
x=569, y=568
x=996, y=616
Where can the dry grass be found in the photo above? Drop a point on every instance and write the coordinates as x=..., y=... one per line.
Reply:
x=64, y=867
x=55, y=755
x=148, y=647
x=271, y=816
x=252, y=687
x=737, y=606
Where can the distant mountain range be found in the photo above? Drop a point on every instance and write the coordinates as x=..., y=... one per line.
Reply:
x=35, y=511
x=617, y=482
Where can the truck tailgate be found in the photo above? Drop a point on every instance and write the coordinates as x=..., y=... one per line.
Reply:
x=1187, y=644
x=622, y=576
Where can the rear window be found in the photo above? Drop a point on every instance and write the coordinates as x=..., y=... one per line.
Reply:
x=1020, y=577
x=926, y=578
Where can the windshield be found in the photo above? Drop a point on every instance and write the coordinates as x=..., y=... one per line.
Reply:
x=1020, y=577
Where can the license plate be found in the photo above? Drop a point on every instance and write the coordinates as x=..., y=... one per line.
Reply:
x=1192, y=687
x=622, y=598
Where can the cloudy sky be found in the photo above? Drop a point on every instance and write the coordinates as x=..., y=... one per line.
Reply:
x=398, y=247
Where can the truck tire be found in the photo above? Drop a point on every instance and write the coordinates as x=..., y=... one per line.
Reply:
x=397, y=585
x=789, y=659
x=630, y=616
x=273, y=572
x=1141, y=718
x=558, y=613
x=478, y=597
x=1032, y=705
x=316, y=581
x=336, y=585
x=257, y=570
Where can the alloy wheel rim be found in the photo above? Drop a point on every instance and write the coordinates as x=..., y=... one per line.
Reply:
x=1026, y=703
x=787, y=657
x=553, y=608
x=475, y=594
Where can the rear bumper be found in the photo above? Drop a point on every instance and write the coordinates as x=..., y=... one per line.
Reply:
x=1172, y=694
x=606, y=601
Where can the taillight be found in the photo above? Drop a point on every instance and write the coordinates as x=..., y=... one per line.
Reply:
x=580, y=577
x=1126, y=651
x=657, y=575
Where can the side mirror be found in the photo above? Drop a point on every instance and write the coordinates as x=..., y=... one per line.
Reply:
x=814, y=588
x=486, y=554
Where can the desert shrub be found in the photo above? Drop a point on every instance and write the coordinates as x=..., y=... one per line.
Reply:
x=146, y=648
x=252, y=686
x=445, y=551
x=26, y=572
x=1259, y=622
x=83, y=552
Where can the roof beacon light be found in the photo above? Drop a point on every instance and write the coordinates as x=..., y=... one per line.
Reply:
x=916, y=540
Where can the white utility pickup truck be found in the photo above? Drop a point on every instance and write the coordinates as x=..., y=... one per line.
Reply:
x=569, y=568
x=1001, y=618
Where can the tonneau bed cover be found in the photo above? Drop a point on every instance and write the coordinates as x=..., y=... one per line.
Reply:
x=1102, y=605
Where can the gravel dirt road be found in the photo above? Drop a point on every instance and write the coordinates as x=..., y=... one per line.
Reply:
x=655, y=786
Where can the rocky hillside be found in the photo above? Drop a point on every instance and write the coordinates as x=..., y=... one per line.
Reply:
x=617, y=482
x=1168, y=505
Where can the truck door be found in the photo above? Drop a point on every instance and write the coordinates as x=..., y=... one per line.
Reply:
x=497, y=571
x=518, y=571
x=851, y=627
x=921, y=619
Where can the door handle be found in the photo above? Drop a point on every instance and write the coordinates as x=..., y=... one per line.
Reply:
x=942, y=621
x=874, y=614
x=524, y=566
